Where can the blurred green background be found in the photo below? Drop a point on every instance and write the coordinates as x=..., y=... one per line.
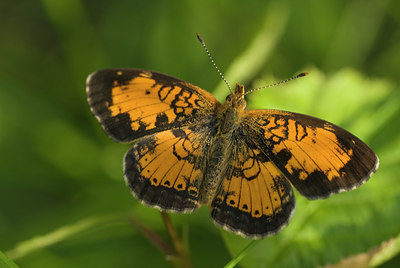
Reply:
x=63, y=201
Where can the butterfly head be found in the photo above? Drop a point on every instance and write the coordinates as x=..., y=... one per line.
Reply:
x=236, y=99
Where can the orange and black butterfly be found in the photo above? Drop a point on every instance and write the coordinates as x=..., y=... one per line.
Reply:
x=190, y=150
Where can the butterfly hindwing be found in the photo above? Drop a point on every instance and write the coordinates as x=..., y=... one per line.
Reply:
x=255, y=199
x=165, y=170
x=318, y=157
x=132, y=103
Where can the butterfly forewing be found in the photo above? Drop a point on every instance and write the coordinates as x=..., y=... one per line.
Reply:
x=318, y=157
x=132, y=103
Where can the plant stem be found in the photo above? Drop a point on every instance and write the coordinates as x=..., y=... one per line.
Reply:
x=180, y=250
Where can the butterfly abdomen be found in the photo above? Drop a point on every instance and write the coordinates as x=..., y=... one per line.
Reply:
x=214, y=168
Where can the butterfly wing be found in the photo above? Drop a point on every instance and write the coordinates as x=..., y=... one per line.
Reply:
x=318, y=157
x=165, y=170
x=132, y=103
x=255, y=199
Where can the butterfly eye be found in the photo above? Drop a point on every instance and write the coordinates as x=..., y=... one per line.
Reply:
x=228, y=98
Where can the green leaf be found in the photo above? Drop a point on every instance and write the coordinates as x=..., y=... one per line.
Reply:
x=5, y=262
x=26, y=247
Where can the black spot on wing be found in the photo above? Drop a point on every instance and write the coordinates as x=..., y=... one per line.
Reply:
x=283, y=156
x=161, y=120
x=178, y=133
x=119, y=127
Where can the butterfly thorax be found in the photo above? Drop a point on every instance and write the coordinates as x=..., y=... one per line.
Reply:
x=229, y=117
x=232, y=109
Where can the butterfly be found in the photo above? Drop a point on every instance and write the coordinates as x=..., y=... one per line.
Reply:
x=190, y=150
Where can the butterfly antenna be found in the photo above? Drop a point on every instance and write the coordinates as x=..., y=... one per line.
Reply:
x=278, y=83
x=212, y=60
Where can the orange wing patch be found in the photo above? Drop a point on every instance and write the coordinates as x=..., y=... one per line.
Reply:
x=164, y=170
x=152, y=104
x=319, y=158
x=133, y=103
x=313, y=149
x=255, y=199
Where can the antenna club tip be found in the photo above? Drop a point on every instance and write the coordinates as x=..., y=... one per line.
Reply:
x=303, y=74
x=199, y=37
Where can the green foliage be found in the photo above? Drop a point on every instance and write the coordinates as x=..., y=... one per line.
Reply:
x=6, y=262
x=63, y=201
